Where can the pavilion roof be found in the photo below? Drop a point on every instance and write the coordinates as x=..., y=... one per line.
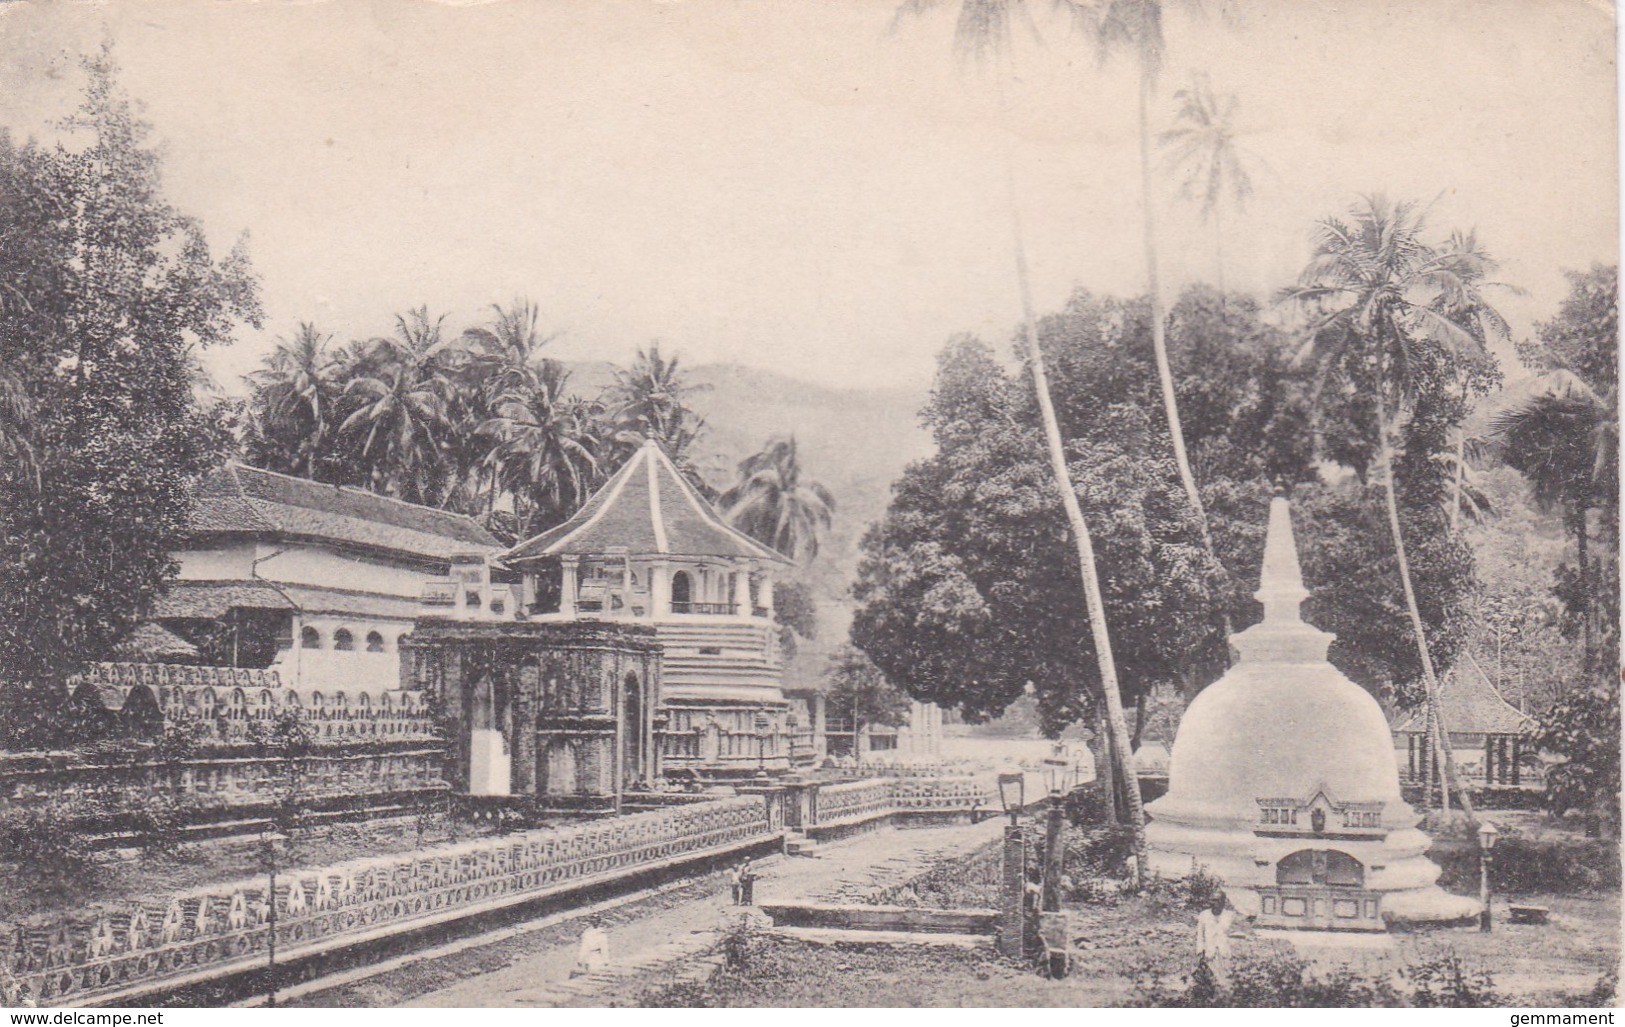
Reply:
x=1471, y=705
x=646, y=509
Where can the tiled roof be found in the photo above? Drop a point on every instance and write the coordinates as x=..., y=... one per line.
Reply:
x=245, y=500
x=649, y=509
x=210, y=600
x=152, y=641
x=1471, y=705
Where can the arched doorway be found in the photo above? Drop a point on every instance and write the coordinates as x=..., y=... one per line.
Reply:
x=632, y=770
x=682, y=590
x=1320, y=889
x=489, y=764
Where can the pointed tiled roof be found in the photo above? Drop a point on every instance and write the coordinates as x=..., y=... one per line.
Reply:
x=241, y=500
x=1471, y=705
x=649, y=509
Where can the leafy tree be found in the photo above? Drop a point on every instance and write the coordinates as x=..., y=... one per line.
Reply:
x=650, y=400
x=1397, y=322
x=773, y=504
x=1565, y=440
x=105, y=293
x=795, y=611
x=858, y=689
x=964, y=598
x=1583, y=727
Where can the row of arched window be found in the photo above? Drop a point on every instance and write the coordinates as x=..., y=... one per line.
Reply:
x=344, y=640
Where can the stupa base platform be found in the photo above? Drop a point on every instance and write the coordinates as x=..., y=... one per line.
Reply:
x=1430, y=906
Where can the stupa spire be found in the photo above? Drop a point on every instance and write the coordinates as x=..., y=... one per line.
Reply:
x=1280, y=584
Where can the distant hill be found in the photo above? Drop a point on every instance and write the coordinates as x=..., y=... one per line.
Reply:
x=855, y=441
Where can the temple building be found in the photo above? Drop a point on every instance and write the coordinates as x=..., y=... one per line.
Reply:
x=1282, y=781
x=1489, y=736
x=317, y=582
x=633, y=642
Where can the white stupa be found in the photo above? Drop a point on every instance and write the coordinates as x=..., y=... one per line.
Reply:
x=1283, y=782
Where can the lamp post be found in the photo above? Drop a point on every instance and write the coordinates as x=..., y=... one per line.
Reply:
x=1487, y=834
x=269, y=840
x=762, y=724
x=1013, y=879
x=1055, y=780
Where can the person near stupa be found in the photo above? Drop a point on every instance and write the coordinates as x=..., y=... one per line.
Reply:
x=1213, y=927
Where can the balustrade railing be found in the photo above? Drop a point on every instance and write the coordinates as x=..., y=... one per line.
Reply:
x=219, y=930
x=713, y=609
x=224, y=929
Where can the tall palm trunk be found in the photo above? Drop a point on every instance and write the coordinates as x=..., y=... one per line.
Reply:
x=1430, y=681
x=1582, y=547
x=1115, y=721
x=1461, y=460
x=1159, y=340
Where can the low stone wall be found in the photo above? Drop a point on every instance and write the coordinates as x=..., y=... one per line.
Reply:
x=166, y=942
x=160, y=943
x=225, y=781
x=826, y=810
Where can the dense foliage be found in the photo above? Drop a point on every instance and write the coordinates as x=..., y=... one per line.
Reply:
x=1564, y=438
x=967, y=592
x=107, y=294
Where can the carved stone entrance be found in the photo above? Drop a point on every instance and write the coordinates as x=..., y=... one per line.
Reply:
x=1320, y=889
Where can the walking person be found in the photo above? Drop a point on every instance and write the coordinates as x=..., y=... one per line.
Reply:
x=594, y=952
x=747, y=884
x=736, y=878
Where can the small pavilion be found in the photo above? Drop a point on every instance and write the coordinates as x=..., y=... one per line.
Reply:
x=1488, y=735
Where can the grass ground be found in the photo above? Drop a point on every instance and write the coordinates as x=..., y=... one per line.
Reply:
x=109, y=877
x=1558, y=965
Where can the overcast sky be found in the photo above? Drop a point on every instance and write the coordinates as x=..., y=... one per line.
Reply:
x=791, y=185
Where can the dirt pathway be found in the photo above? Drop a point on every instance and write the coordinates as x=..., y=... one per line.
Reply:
x=683, y=932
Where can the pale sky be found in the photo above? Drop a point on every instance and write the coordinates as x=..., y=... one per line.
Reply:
x=791, y=185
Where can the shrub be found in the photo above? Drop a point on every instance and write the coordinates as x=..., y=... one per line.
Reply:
x=1522, y=866
x=1201, y=887
x=1444, y=982
x=156, y=824
x=47, y=838
x=1284, y=980
x=1102, y=851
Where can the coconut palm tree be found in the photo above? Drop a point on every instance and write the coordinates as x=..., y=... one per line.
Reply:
x=1384, y=302
x=293, y=396
x=651, y=399
x=1203, y=151
x=399, y=398
x=506, y=352
x=546, y=450
x=983, y=35
x=773, y=504
x=1135, y=27
x=501, y=358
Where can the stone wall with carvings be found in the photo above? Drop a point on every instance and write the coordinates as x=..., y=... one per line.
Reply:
x=222, y=781
x=230, y=704
x=217, y=930
x=147, y=945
